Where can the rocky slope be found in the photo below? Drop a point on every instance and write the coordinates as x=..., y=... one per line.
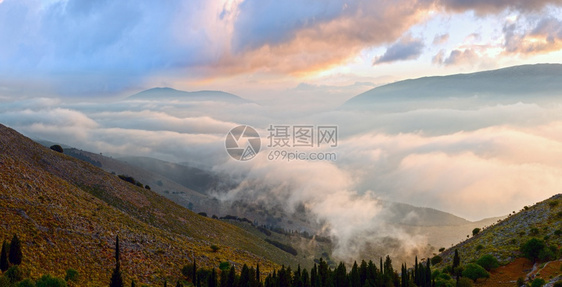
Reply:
x=67, y=213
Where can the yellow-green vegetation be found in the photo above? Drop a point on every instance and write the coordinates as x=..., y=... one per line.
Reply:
x=67, y=212
x=504, y=239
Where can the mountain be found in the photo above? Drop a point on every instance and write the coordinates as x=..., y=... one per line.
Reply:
x=537, y=83
x=177, y=183
x=191, y=177
x=405, y=214
x=503, y=240
x=67, y=213
x=173, y=94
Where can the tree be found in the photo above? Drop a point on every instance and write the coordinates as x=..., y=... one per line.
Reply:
x=474, y=272
x=49, y=281
x=117, y=277
x=14, y=274
x=456, y=259
x=538, y=282
x=456, y=269
x=71, y=275
x=25, y=283
x=488, y=262
x=436, y=260
x=532, y=248
x=215, y=248
x=212, y=280
x=4, y=264
x=15, y=254
x=57, y=148
x=475, y=231
x=231, y=280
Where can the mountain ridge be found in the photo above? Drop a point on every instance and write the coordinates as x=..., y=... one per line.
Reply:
x=504, y=85
x=167, y=93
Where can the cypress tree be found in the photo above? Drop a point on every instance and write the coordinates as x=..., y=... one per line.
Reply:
x=4, y=264
x=428, y=273
x=456, y=259
x=224, y=278
x=354, y=276
x=305, y=279
x=231, y=282
x=258, y=273
x=212, y=281
x=244, y=277
x=363, y=272
x=194, y=280
x=133, y=283
x=456, y=264
x=116, y=277
x=314, y=276
x=15, y=254
x=179, y=284
x=416, y=273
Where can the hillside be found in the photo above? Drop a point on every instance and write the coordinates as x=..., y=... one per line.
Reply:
x=537, y=83
x=504, y=239
x=67, y=213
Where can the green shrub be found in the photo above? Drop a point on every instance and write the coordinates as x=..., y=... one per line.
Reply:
x=475, y=272
x=215, y=248
x=223, y=266
x=57, y=148
x=14, y=274
x=26, y=283
x=436, y=260
x=547, y=254
x=534, y=231
x=488, y=262
x=441, y=249
x=557, y=284
x=553, y=203
x=532, y=248
x=49, y=281
x=71, y=275
x=479, y=247
x=538, y=282
x=475, y=231
x=520, y=281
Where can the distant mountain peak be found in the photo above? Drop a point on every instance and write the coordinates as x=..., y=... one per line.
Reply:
x=167, y=93
x=500, y=86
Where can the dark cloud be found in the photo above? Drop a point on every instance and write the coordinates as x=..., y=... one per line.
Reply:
x=405, y=49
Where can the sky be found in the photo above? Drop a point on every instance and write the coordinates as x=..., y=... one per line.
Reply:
x=68, y=66
x=262, y=49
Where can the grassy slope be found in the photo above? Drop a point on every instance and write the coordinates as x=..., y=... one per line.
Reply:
x=67, y=213
x=503, y=239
